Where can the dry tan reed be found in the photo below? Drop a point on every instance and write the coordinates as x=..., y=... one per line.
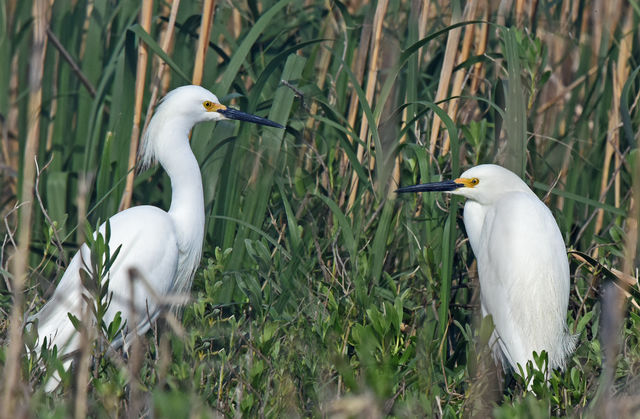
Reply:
x=451, y=51
x=461, y=75
x=141, y=74
x=358, y=68
x=372, y=77
x=12, y=383
x=203, y=41
x=167, y=42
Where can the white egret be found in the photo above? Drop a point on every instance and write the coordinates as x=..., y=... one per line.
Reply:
x=164, y=247
x=522, y=264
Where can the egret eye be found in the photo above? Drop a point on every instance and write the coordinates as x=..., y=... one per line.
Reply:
x=474, y=181
x=208, y=105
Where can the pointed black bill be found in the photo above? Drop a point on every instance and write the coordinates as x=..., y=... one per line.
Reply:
x=445, y=186
x=242, y=116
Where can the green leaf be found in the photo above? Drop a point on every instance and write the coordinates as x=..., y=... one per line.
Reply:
x=153, y=45
x=241, y=52
x=345, y=227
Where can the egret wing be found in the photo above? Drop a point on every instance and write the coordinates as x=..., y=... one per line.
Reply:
x=148, y=243
x=524, y=277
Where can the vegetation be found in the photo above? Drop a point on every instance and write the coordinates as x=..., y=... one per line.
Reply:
x=320, y=292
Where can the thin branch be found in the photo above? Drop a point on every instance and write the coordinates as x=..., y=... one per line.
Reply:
x=56, y=239
x=69, y=59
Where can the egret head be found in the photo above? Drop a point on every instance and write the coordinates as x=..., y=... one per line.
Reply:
x=179, y=111
x=196, y=104
x=484, y=183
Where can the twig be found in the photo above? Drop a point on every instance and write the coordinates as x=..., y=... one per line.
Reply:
x=566, y=90
x=552, y=187
x=135, y=358
x=299, y=93
x=595, y=211
x=82, y=378
x=69, y=59
x=6, y=222
x=57, y=242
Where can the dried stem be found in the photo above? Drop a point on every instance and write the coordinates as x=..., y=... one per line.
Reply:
x=450, y=53
x=459, y=79
x=40, y=11
x=56, y=238
x=167, y=42
x=620, y=76
x=203, y=41
x=372, y=77
x=358, y=71
x=141, y=72
x=72, y=63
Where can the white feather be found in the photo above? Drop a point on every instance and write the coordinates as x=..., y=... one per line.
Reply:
x=522, y=266
x=164, y=247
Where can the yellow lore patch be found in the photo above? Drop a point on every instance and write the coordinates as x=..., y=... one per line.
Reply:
x=469, y=183
x=212, y=106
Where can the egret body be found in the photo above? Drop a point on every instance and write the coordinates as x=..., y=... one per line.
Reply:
x=164, y=247
x=522, y=263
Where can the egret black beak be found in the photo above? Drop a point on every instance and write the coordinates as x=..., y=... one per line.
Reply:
x=242, y=116
x=445, y=186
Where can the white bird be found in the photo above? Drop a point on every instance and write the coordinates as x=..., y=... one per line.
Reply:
x=522, y=264
x=164, y=247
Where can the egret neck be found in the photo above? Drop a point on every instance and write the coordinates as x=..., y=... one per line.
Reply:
x=187, y=200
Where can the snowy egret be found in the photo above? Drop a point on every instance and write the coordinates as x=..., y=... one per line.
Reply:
x=164, y=247
x=522, y=263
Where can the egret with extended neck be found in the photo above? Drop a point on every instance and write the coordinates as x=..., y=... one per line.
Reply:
x=163, y=247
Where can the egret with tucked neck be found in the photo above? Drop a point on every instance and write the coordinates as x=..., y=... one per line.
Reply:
x=522, y=264
x=164, y=247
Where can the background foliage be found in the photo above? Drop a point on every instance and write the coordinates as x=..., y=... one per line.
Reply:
x=320, y=293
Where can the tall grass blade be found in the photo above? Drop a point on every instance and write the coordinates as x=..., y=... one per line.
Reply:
x=269, y=153
x=243, y=49
x=515, y=108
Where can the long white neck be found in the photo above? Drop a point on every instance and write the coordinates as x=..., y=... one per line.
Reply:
x=172, y=150
x=187, y=200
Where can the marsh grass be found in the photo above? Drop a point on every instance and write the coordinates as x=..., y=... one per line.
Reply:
x=320, y=293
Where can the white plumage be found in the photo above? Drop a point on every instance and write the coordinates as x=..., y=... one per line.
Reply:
x=164, y=247
x=522, y=263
